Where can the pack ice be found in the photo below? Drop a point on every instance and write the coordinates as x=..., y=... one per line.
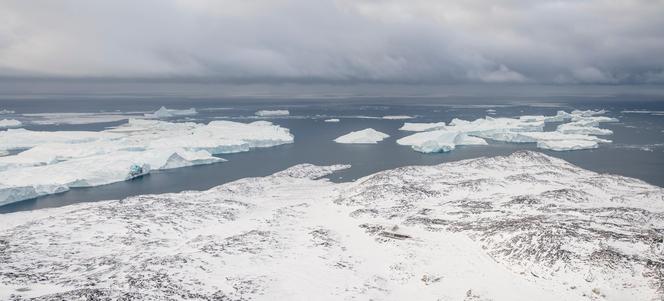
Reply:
x=366, y=136
x=579, y=132
x=55, y=161
x=521, y=227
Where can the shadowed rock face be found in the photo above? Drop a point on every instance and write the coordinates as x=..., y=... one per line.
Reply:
x=521, y=227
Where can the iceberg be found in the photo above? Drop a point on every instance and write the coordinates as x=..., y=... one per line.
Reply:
x=268, y=113
x=578, y=133
x=10, y=123
x=422, y=127
x=163, y=112
x=439, y=141
x=5, y=111
x=332, y=120
x=78, y=118
x=366, y=136
x=56, y=161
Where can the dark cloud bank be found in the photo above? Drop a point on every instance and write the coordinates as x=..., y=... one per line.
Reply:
x=325, y=41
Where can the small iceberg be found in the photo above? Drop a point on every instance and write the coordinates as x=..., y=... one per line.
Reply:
x=269, y=113
x=366, y=136
x=163, y=112
x=439, y=141
x=10, y=123
x=332, y=120
x=5, y=111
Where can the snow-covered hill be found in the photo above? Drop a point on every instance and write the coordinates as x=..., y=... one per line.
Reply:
x=521, y=227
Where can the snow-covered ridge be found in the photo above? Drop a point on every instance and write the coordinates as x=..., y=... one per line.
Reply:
x=56, y=161
x=520, y=227
x=578, y=133
x=366, y=136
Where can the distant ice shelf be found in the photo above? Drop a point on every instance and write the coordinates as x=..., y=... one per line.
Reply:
x=366, y=136
x=521, y=227
x=268, y=113
x=578, y=133
x=53, y=162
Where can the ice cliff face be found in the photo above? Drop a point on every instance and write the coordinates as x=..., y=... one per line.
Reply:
x=521, y=227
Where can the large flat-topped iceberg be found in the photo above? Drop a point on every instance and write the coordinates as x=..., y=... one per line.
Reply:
x=366, y=136
x=521, y=227
x=9, y=123
x=269, y=113
x=578, y=133
x=163, y=112
x=56, y=161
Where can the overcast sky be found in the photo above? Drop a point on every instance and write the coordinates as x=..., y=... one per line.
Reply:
x=431, y=41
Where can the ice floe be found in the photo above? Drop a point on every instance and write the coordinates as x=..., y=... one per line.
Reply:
x=268, y=113
x=332, y=120
x=5, y=111
x=578, y=133
x=397, y=117
x=56, y=161
x=163, y=112
x=10, y=123
x=521, y=227
x=365, y=136
x=78, y=118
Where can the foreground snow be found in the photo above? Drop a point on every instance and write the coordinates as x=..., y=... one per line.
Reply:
x=56, y=161
x=366, y=136
x=578, y=133
x=521, y=227
x=10, y=123
x=268, y=113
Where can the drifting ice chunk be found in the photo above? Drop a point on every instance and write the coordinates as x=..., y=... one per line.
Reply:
x=439, y=141
x=566, y=145
x=163, y=112
x=6, y=112
x=266, y=113
x=332, y=120
x=9, y=123
x=364, y=136
x=397, y=117
x=588, y=113
x=422, y=127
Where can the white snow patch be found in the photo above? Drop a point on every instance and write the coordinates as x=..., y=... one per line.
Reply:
x=365, y=136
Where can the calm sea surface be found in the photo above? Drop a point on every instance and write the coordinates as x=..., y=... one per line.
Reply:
x=637, y=149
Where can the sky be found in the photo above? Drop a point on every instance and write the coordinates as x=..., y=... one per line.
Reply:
x=319, y=41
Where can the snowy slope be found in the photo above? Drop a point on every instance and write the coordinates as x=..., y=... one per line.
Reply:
x=521, y=227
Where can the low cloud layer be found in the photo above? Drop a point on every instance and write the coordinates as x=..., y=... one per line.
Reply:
x=429, y=41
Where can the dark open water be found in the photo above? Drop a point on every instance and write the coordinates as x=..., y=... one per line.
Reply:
x=637, y=150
